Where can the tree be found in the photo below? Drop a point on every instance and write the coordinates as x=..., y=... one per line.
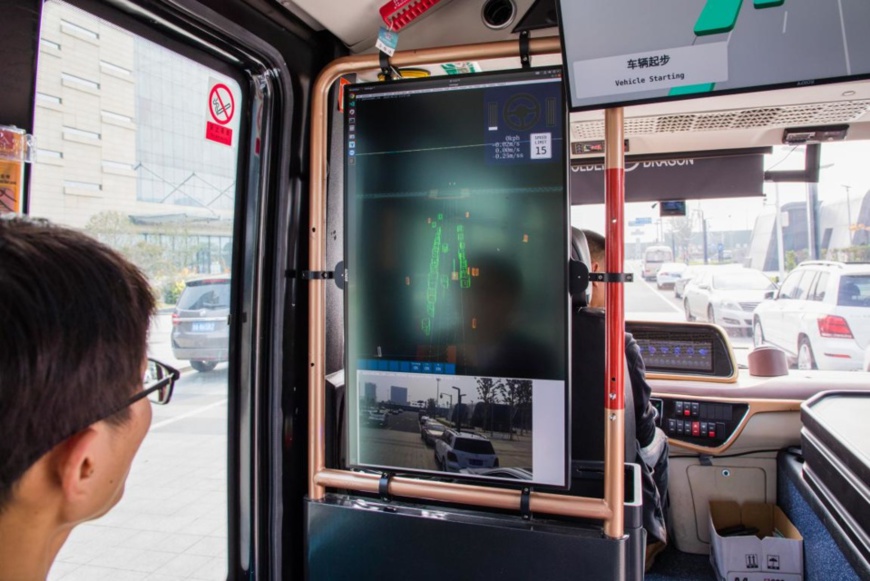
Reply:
x=486, y=390
x=509, y=391
x=524, y=401
x=681, y=232
x=115, y=229
x=166, y=263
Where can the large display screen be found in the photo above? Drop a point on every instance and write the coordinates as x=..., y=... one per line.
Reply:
x=456, y=254
x=619, y=52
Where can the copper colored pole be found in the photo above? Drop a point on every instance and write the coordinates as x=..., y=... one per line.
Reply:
x=317, y=224
x=614, y=401
x=319, y=476
x=502, y=498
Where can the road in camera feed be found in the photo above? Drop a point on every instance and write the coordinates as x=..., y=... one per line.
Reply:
x=399, y=444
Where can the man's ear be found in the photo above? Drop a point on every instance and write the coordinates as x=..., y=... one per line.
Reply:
x=76, y=463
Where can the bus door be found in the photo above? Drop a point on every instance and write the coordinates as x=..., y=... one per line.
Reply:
x=175, y=135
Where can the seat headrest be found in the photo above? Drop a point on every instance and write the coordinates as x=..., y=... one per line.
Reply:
x=579, y=247
x=849, y=289
x=581, y=295
x=849, y=295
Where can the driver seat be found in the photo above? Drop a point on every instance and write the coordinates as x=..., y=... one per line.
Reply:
x=588, y=373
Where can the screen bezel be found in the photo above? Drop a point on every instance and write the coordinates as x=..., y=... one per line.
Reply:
x=351, y=413
x=609, y=104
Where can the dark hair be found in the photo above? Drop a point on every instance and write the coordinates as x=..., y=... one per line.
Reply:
x=74, y=318
x=595, y=241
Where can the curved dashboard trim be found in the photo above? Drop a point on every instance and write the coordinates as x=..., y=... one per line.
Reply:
x=798, y=385
x=756, y=406
x=706, y=378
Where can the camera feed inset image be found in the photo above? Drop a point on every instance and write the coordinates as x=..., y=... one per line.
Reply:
x=479, y=426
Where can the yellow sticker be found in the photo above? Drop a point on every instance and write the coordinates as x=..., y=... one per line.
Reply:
x=11, y=169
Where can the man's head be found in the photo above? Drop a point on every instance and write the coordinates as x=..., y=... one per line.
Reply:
x=595, y=241
x=75, y=317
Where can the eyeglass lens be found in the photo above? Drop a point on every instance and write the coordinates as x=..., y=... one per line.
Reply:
x=156, y=374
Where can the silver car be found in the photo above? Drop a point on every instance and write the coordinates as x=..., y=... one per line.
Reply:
x=430, y=431
x=726, y=297
x=669, y=274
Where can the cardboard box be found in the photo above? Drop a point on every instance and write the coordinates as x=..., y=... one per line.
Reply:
x=777, y=556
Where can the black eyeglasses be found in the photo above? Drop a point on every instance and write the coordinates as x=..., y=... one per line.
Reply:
x=158, y=383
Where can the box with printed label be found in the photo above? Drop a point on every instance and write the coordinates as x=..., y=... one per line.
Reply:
x=754, y=542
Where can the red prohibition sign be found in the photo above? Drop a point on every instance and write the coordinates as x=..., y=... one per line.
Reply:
x=221, y=104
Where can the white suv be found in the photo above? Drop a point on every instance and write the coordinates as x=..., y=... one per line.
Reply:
x=820, y=316
x=457, y=450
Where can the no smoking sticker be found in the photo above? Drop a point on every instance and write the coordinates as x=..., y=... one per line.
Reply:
x=219, y=126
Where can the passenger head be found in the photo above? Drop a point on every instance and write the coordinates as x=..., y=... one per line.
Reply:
x=595, y=241
x=75, y=317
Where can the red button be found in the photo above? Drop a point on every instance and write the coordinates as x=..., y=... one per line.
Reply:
x=687, y=412
x=711, y=434
x=696, y=429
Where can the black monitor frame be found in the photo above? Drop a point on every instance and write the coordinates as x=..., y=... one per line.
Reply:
x=608, y=102
x=449, y=83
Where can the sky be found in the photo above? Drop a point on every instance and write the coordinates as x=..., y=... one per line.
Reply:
x=421, y=387
x=843, y=164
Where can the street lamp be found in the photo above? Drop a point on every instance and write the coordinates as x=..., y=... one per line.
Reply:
x=849, y=212
x=780, y=249
x=458, y=412
x=450, y=395
x=700, y=212
x=437, y=394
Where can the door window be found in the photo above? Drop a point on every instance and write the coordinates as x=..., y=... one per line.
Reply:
x=790, y=285
x=137, y=146
x=818, y=292
x=804, y=285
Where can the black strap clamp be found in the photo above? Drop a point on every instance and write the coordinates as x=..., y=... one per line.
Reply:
x=611, y=276
x=525, y=57
x=317, y=274
x=387, y=69
x=384, y=486
x=525, y=503
x=339, y=275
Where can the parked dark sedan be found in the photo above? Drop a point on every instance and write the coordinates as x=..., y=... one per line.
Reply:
x=200, y=332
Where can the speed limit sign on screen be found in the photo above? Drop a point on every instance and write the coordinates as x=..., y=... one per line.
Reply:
x=541, y=145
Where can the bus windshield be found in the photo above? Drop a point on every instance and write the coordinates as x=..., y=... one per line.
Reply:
x=734, y=241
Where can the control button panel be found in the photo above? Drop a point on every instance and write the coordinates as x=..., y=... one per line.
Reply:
x=704, y=423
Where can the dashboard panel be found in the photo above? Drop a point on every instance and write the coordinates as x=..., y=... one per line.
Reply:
x=709, y=424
